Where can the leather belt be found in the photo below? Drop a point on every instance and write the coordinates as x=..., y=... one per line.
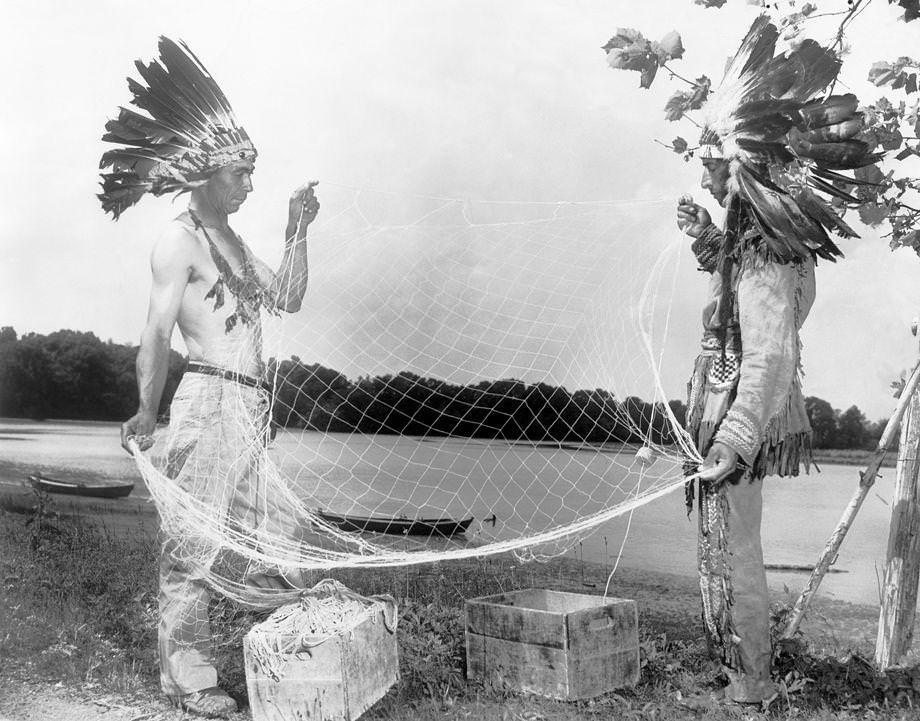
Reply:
x=228, y=375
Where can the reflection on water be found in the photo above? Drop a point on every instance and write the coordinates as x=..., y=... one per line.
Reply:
x=373, y=473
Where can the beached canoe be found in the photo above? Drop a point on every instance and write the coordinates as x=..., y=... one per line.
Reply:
x=398, y=526
x=80, y=488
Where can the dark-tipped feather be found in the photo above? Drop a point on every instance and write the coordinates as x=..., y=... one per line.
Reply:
x=832, y=190
x=815, y=68
x=787, y=231
x=758, y=45
x=826, y=111
x=813, y=206
x=835, y=177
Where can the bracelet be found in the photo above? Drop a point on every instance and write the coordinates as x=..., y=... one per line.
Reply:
x=706, y=248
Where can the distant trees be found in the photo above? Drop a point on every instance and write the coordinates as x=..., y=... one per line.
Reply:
x=841, y=429
x=318, y=398
x=75, y=375
x=72, y=374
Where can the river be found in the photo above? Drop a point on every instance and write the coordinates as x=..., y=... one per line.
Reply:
x=391, y=474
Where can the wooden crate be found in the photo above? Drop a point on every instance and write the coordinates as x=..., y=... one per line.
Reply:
x=562, y=645
x=337, y=680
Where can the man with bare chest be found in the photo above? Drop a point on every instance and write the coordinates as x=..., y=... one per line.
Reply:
x=206, y=281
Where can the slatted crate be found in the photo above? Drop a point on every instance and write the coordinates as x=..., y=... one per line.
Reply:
x=561, y=645
x=338, y=680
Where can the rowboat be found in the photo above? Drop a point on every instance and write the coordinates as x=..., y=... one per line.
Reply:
x=400, y=525
x=79, y=488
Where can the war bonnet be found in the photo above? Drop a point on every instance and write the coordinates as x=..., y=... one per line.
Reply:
x=785, y=138
x=189, y=133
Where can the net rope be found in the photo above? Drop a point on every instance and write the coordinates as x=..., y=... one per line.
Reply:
x=496, y=362
x=327, y=609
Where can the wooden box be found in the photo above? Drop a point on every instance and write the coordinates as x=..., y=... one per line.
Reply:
x=562, y=645
x=338, y=680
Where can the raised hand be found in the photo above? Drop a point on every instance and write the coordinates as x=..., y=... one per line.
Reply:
x=302, y=209
x=692, y=219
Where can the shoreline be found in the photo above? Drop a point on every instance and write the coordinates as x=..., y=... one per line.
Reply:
x=667, y=600
x=846, y=457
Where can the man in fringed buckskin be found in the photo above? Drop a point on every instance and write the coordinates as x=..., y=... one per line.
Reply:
x=771, y=138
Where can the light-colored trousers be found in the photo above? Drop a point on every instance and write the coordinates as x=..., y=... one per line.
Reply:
x=733, y=583
x=215, y=451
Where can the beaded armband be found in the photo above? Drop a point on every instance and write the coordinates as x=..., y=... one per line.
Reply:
x=740, y=431
x=707, y=247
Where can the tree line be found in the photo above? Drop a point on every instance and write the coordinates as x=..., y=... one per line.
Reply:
x=842, y=429
x=75, y=375
x=318, y=398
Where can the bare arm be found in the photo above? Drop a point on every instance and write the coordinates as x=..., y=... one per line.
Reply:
x=289, y=284
x=171, y=267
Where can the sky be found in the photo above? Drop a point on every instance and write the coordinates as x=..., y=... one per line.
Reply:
x=493, y=200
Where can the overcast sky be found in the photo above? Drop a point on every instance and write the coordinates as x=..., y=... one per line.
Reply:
x=425, y=101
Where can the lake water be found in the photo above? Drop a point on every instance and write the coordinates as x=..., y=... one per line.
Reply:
x=390, y=474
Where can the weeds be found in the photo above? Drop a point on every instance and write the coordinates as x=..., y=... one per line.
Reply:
x=81, y=607
x=432, y=655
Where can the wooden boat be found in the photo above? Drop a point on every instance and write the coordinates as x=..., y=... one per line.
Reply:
x=399, y=526
x=79, y=488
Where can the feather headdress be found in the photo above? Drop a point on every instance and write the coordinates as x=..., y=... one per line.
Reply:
x=190, y=131
x=785, y=139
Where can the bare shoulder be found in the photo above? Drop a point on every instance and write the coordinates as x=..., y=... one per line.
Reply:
x=178, y=244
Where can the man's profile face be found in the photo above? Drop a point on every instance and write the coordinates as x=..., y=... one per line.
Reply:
x=715, y=178
x=228, y=187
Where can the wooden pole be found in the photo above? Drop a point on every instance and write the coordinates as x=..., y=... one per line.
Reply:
x=866, y=479
x=902, y=568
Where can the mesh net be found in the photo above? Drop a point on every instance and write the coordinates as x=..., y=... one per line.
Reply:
x=465, y=378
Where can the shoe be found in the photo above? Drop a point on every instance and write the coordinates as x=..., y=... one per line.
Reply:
x=745, y=690
x=211, y=702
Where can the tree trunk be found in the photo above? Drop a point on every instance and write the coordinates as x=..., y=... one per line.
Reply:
x=902, y=570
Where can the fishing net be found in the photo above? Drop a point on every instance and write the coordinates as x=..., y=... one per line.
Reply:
x=473, y=377
x=327, y=609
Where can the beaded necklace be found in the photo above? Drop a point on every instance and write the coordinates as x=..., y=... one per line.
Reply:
x=250, y=295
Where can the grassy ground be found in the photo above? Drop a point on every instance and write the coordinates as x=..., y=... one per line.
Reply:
x=81, y=621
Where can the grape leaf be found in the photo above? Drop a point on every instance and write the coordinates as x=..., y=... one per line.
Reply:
x=882, y=73
x=911, y=8
x=891, y=73
x=629, y=50
x=873, y=213
x=911, y=239
x=684, y=100
x=889, y=138
x=670, y=46
x=677, y=105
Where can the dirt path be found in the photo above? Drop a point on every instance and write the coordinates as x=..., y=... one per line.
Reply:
x=29, y=701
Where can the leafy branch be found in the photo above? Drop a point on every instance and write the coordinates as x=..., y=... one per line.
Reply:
x=887, y=198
